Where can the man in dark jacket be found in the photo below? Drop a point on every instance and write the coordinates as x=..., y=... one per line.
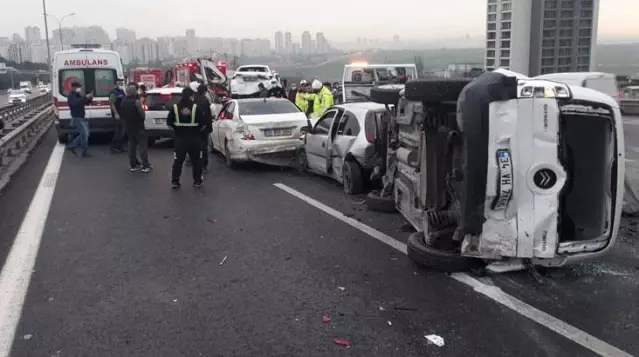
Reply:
x=292, y=94
x=115, y=100
x=188, y=121
x=203, y=102
x=133, y=114
x=76, y=101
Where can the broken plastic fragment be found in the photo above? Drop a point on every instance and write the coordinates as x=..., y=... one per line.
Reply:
x=437, y=340
x=390, y=323
x=341, y=288
x=223, y=260
x=326, y=319
x=381, y=308
x=211, y=220
x=342, y=342
x=27, y=336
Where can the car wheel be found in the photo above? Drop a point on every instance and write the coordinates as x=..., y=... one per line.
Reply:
x=377, y=203
x=63, y=138
x=300, y=160
x=352, y=178
x=436, y=259
x=434, y=90
x=227, y=156
x=387, y=94
x=151, y=141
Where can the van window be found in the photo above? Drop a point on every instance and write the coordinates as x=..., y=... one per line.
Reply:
x=603, y=84
x=98, y=81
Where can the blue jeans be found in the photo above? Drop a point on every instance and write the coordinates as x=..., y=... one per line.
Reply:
x=82, y=140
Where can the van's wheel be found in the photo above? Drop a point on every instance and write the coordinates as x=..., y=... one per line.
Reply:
x=386, y=94
x=63, y=138
x=352, y=178
x=151, y=141
x=436, y=259
x=300, y=160
x=227, y=156
x=434, y=90
x=377, y=203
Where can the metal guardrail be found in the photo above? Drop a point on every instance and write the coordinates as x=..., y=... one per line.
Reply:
x=10, y=112
x=629, y=106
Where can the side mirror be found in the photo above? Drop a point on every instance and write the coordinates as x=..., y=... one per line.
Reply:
x=305, y=129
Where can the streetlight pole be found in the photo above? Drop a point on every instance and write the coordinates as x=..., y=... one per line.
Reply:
x=59, y=25
x=46, y=31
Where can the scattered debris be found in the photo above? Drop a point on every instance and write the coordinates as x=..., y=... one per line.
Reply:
x=326, y=319
x=390, y=323
x=287, y=258
x=174, y=300
x=211, y=220
x=359, y=202
x=341, y=288
x=393, y=258
x=165, y=217
x=381, y=308
x=400, y=308
x=342, y=342
x=349, y=215
x=50, y=298
x=27, y=336
x=223, y=260
x=434, y=339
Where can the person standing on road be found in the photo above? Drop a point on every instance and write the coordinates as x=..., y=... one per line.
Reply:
x=292, y=94
x=133, y=116
x=203, y=102
x=304, y=97
x=115, y=100
x=188, y=121
x=77, y=102
x=323, y=98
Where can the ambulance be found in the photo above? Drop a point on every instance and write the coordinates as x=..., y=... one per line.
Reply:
x=97, y=70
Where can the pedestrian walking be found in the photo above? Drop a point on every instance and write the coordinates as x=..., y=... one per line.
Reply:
x=188, y=122
x=115, y=101
x=77, y=102
x=133, y=116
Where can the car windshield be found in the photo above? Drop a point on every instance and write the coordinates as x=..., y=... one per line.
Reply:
x=267, y=107
x=161, y=101
x=252, y=69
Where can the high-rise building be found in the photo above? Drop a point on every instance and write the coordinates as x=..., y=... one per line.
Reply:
x=321, y=43
x=288, y=42
x=255, y=47
x=16, y=38
x=279, y=42
x=32, y=34
x=20, y=52
x=232, y=47
x=125, y=35
x=191, y=41
x=307, y=43
x=535, y=37
x=146, y=50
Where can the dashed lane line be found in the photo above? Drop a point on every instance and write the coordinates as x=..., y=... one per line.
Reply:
x=492, y=292
x=18, y=268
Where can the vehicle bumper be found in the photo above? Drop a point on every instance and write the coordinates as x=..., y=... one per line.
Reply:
x=159, y=133
x=96, y=126
x=272, y=152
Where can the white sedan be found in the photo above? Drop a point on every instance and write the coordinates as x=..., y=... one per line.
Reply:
x=17, y=97
x=245, y=80
x=265, y=130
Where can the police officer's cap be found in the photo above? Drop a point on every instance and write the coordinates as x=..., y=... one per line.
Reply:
x=187, y=92
x=202, y=88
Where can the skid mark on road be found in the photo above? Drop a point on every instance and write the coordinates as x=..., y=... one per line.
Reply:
x=17, y=270
x=492, y=292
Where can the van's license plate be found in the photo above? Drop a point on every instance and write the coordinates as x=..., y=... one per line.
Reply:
x=278, y=132
x=505, y=183
x=159, y=121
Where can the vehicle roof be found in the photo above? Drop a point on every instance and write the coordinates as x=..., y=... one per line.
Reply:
x=254, y=100
x=169, y=90
x=576, y=75
x=86, y=50
x=253, y=65
x=360, y=108
x=362, y=65
x=587, y=94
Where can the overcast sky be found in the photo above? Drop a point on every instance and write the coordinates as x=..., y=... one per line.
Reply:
x=340, y=20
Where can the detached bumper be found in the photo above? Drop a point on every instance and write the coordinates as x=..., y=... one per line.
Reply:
x=272, y=152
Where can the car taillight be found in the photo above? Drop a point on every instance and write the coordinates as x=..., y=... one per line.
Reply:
x=370, y=129
x=248, y=136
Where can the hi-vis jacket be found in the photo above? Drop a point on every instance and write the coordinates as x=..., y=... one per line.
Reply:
x=186, y=118
x=323, y=101
x=302, y=99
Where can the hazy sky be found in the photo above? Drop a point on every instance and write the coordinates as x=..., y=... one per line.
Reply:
x=340, y=20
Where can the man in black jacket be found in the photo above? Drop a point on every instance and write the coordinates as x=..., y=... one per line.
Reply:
x=133, y=115
x=188, y=121
x=203, y=102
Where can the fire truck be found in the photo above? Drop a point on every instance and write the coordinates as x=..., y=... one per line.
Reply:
x=200, y=69
x=151, y=77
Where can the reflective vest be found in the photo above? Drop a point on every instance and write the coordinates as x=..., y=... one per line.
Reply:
x=178, y=116
x=323, y=100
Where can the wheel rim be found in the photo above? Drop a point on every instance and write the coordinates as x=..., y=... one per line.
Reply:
x=347, y=180
x=301, y=159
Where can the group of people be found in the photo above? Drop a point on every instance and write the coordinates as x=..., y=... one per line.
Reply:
x=190, y=119
x=312, y=98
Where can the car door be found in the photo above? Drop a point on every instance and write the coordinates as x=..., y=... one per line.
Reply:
x=347, y=129
x=215, y=135
x=316, y=142
x=226, y=123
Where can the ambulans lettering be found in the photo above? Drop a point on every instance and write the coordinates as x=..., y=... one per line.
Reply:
x=86, y=62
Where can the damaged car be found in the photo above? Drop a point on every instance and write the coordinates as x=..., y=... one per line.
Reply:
x=247, y=79
x=265, y=130
x=504, y=171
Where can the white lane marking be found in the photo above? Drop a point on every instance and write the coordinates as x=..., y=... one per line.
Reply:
x=18, y=268
x=493, y=292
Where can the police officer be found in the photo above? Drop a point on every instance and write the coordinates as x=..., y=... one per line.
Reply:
x=188, y=122
x=203, y=102
x=323, y=98
x=116, y=95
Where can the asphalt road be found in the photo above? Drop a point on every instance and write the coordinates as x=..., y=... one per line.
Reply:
x=128, y=267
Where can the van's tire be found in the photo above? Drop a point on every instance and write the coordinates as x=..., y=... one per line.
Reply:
x=375, y=202
x=386, y=94
x=352, y=178
x=434, y=90
x=440, y=260
x=63, y=138
x=151, y=141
